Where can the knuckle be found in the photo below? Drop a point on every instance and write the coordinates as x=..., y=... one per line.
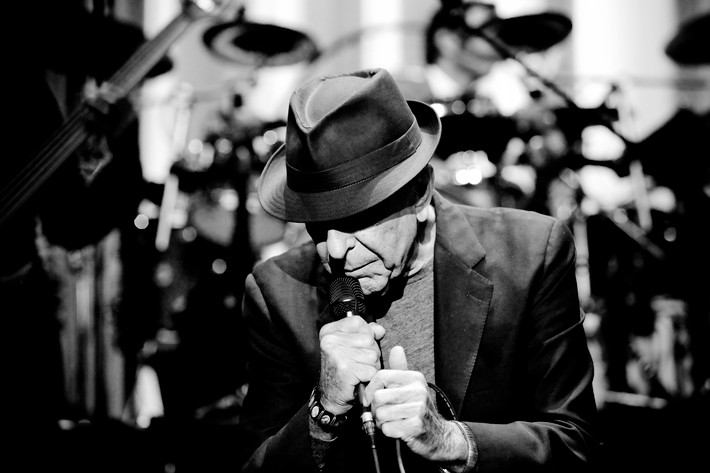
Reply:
x=373, y=357
x=342, y=366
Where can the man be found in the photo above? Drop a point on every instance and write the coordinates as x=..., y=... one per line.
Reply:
x=463, y=64
x=474, y=357
x=67, y=205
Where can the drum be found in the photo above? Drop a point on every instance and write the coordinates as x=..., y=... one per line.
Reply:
x=222, y=202
x=466, y=130
x=469, y=157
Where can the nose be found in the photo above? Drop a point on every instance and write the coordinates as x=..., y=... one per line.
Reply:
x=339, y=243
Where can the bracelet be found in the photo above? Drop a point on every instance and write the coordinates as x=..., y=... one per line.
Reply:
x=327, y=421
x=471, y=456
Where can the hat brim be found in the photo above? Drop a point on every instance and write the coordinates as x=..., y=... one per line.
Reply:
x=280, y=201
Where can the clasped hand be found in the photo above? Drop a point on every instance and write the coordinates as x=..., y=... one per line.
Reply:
x=399, y=399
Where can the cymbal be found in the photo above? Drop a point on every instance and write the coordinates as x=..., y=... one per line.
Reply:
x=690, y=44
x=258, y=44
x=530, y=33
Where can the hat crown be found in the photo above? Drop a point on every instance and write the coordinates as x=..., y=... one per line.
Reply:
x=352, y=140
x=338, y=119
x=328, y=95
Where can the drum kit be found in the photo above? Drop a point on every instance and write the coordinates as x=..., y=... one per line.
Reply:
x=545, y=140
x=221, y=201
x=486, y=157
x=478, y=167
x=551, y=139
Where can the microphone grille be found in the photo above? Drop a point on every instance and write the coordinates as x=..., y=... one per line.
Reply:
x=346, y=296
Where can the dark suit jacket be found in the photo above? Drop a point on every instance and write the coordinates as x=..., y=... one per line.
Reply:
x=510, y=350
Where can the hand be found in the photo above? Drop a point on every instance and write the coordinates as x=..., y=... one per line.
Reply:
x=402, y=407
x=109, y=113
x=350, y=355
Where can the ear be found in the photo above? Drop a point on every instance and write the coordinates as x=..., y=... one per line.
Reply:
x=425, y=186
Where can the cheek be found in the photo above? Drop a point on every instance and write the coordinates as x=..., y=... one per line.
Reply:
x=322, y=250
x=395, y=242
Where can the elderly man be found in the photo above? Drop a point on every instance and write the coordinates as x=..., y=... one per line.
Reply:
x=462, y=347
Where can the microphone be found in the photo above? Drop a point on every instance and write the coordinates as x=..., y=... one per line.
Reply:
x=347, y=300
x=346, y=297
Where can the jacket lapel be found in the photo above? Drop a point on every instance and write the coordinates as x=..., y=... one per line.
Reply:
x=459, y=321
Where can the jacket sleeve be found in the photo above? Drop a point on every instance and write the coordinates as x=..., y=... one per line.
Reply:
x=274, y=413
x=553, y=428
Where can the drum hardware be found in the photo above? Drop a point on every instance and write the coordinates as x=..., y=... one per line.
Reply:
x=171, y=190
x=573, y=121
x=684, y=136
x=471, y=167
x=492, y=134
x=635, y=168
x=679, y=81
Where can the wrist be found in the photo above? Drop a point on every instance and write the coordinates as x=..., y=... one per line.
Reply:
x=328, y=403
x=468, y=460
x=322, y=417
x=316, y=432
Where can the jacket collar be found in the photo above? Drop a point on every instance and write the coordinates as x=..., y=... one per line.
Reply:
x=459, y=321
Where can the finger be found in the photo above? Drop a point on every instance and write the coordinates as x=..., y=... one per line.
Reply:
x=397, y=358
x=378, y=331
x=347, y=324
x=400, y=414
x=401, y=387
x=401, y=429
x=387, y=382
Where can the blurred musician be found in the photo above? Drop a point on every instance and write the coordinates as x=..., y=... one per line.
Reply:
x=79, y=201
x=462, y=64
x=474, y=84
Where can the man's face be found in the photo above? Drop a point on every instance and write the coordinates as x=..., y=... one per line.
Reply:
x=374, y=254
x=476, y=54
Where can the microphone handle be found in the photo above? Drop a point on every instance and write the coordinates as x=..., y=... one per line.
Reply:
x=368, y=422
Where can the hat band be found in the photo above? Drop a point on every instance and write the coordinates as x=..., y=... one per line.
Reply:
x=356, y=170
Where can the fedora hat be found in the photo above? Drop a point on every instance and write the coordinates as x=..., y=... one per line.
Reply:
x=352, y=140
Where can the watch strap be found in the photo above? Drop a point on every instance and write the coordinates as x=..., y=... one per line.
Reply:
x=328, y=421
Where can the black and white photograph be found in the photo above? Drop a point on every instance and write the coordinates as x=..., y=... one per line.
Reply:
x=356, y=236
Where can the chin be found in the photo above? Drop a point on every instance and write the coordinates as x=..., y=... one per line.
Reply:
x=374, y=286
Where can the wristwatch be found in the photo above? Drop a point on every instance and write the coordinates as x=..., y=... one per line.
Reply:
x=326, y=420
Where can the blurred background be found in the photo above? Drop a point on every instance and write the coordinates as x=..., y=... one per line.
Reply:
x=595, y=112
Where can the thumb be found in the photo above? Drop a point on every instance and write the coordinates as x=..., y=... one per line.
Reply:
x=397, y=359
